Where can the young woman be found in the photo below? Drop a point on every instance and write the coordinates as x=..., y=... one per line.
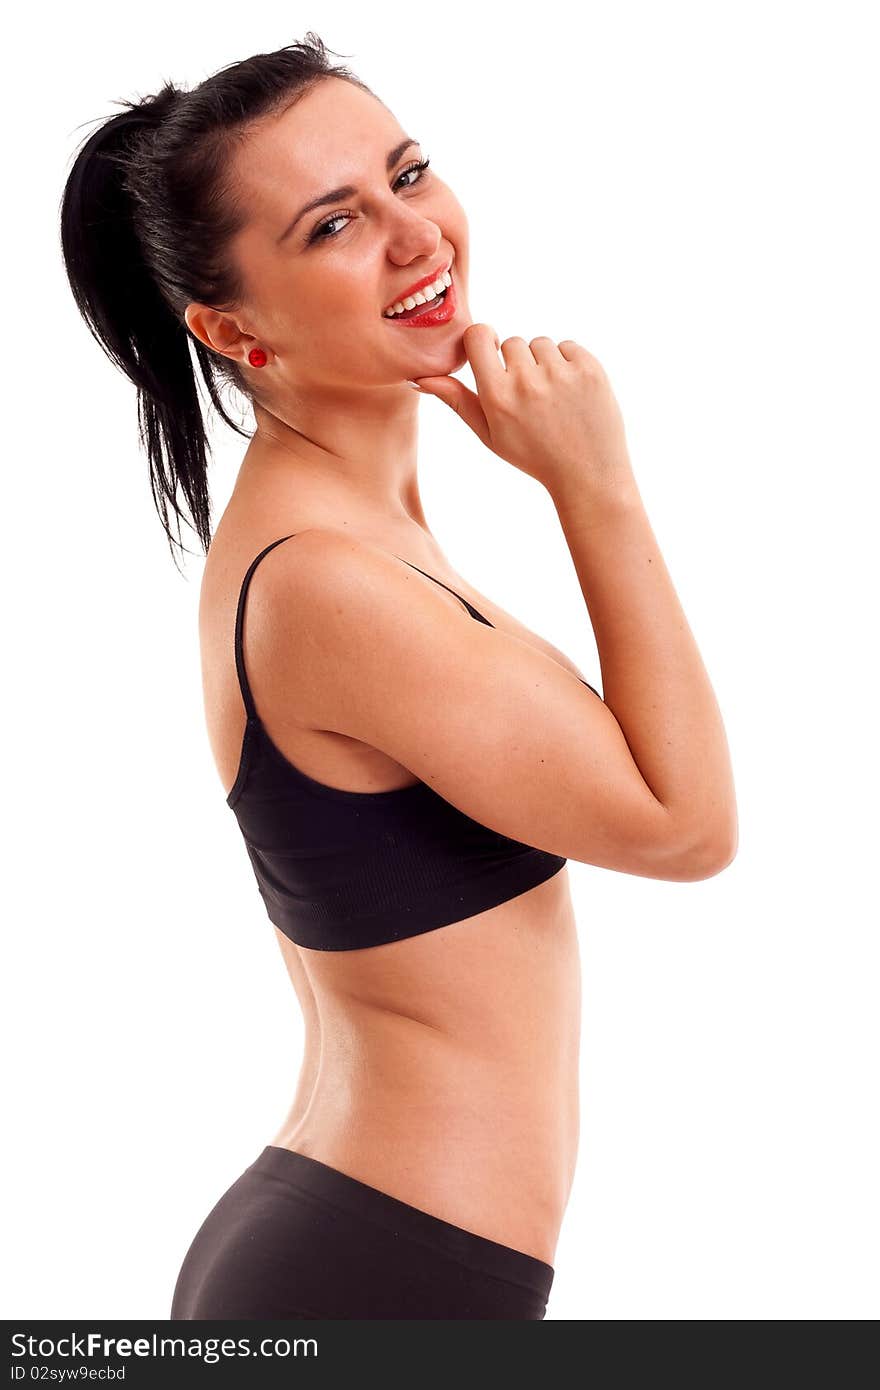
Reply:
x=410, y=765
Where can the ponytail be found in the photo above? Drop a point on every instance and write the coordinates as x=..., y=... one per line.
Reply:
x=145, y=223
x=125, y=311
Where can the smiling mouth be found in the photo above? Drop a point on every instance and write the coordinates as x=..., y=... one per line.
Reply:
x=410, y=306
x=439, y=311
x=418, y=309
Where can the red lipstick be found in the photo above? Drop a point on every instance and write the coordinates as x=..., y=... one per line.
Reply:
x=429, y=316
x=419, y=285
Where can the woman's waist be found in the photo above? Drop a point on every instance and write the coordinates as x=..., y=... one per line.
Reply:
x=532, y=1104
x=522, y=1059
x=508, y=1037
x=503, y=1178
x=467, y=1141
x=517, y=1065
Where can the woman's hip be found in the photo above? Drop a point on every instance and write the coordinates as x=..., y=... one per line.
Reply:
x=294, y=1237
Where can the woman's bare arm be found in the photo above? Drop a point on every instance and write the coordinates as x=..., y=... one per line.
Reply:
x=653, y=677
x=345, y=637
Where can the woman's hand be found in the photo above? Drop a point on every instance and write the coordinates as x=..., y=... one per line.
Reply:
x=549, y=410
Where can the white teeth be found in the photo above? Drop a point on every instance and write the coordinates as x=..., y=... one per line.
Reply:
x=421, y=296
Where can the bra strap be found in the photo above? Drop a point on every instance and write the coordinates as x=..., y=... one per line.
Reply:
x=244, y=686
x=469, y=606
x=239, y=628
x=471, y=609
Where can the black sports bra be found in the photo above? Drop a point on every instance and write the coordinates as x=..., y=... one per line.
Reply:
x=338, y=870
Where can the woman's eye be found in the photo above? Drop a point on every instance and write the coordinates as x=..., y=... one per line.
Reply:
x=417, y=167
x=337, y=217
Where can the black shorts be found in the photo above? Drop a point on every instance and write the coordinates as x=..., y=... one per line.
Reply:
x=295, y=1238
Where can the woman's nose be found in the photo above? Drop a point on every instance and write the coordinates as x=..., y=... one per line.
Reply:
x=412, y=234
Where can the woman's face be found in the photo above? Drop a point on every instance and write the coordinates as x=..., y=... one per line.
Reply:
x=317, y=285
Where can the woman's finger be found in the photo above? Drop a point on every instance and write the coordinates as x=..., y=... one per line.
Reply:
x=515, y=352
x=480, y=342
x=544, y=350
x=459, y=398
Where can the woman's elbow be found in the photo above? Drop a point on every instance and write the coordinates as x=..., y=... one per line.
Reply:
x=713, y=854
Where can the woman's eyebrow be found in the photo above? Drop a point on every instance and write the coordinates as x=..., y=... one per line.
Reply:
x=346, y=191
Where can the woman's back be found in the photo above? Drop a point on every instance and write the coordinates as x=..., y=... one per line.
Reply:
x=442, y=1066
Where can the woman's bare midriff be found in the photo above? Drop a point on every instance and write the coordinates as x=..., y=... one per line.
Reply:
x=441, y=1069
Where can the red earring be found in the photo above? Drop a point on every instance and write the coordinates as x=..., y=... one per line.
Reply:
x=257, y=357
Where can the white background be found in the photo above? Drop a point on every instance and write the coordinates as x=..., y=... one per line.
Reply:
x=689, y=190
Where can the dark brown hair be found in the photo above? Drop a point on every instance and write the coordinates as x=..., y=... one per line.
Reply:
x=147, y=214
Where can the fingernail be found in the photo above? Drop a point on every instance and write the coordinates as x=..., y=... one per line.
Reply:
x=414, y=385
